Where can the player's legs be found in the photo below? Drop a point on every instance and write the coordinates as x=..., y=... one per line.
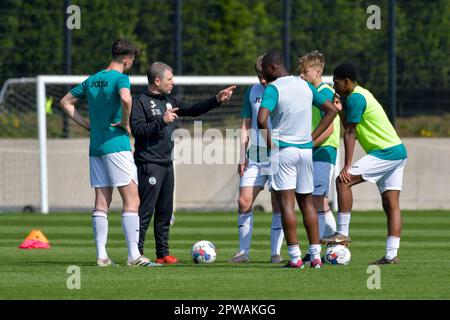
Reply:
x=130, y=218
x=103, y=198
x=122, y=173
x=247, y=195
x=284, y=182
x=306, y=205
x=130, y=197
x=276, y=231
x=150, y=180
x=286, y=200
x=391, y=206
x=163, y=214
x=344, y=191
x=103, y=195
x=345, y=204
x=323, y=172
x=390, y=187
x=250, y=184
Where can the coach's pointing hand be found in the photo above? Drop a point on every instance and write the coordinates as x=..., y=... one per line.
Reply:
x=225, y=94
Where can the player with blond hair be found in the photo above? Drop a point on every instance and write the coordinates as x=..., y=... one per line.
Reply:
x=325, y=149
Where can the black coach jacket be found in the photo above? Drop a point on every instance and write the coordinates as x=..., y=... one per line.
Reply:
x=153, y=137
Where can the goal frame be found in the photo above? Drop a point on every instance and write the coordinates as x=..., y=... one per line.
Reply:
x=43, y=80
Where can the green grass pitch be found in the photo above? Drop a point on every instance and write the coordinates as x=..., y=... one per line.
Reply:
x=424, y=272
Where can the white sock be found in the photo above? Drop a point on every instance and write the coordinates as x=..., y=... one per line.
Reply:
x=130, y=226
x=321, y=222
x=100, y=226
x=330, y=224
x=276, y=234
x=392, y=245
x=245, y=225
x=294, y=253
x=343, y=222
x=314, y=251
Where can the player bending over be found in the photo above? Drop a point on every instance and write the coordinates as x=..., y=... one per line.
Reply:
x=386, y=158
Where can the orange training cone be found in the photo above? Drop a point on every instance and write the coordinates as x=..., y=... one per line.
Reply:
x=35, y=240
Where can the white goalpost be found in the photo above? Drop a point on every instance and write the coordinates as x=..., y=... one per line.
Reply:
x=44, y=82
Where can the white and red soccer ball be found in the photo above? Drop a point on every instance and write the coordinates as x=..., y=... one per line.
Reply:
x=337, y=254
x=203, y=252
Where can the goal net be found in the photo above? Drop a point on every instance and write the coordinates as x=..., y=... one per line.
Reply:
x=44, y=156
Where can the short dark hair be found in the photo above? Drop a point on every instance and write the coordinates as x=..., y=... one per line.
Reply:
x=346, y=70
x=122, y=48
x=273, y=57
x=156, y=70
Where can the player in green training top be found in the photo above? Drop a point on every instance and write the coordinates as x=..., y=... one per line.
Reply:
x=384, y=163
x=110, y=160
x=325, y=146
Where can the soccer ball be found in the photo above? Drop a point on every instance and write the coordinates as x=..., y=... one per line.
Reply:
x=203, y=252
x=337, y=254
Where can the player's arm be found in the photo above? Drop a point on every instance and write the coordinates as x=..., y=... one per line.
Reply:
x=330, y=111
x=68, y=104
x=245, y=127
x=263, y=126
x=126, y=102
x=199, y=108
x=268, y=104
x=329, y=131
x=349, y=147
x=246, y=115
x=123, y=87
x=356, y=105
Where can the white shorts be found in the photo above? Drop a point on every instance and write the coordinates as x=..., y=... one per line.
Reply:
x=112, y=170
x=292, y=169
x=253, y=175
x=387, y=174
x=323, y=173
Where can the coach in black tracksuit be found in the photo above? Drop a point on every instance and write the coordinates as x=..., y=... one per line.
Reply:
x=151, y=122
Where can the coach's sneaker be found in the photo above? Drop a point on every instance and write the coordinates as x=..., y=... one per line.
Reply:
x=316, y=263
x=143, y=261
x=107, y=262
x=336, y=238
x=276, y=258
x=298, y=265
x=240, y=257
x=386, y=261
x=167, y=259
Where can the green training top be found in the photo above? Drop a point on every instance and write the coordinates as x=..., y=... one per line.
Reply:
x=374, y=131
x=327, y=151
x=102, y=93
